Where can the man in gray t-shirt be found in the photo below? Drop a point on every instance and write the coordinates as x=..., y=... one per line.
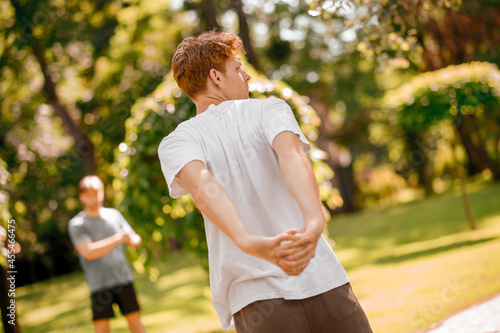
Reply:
x=98, y=234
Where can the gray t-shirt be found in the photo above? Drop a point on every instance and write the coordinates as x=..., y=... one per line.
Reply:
x=112, y=269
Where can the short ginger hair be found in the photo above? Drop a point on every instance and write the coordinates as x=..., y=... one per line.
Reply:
x=196, y=56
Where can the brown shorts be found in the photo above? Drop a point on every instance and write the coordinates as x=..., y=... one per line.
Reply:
x=335, y=311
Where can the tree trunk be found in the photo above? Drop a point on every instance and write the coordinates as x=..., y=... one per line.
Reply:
x=475, y=149
x=5, y=302
x=343, y=178
x=419, y=158
x=245, y=33
x=85, y=148
x=210, y=14
x=463, y=190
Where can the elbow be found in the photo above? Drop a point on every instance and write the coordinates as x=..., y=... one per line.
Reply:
x=88, y=256
x=317, y=220
x=325, y=220
x=324, y=217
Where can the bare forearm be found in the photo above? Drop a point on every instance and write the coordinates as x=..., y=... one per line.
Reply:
x=211, y=199
x=95, y=250
x=299, y=178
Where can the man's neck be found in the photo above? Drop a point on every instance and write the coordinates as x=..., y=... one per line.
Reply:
x=209, y=97
x=204, y=102
x=92, y=211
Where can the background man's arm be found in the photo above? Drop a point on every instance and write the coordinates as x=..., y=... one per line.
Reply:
x=95, y=250
x=212, y=200
x=135, y=239
x=301, y=182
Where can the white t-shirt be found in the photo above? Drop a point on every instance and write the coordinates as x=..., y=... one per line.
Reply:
x=234, y=141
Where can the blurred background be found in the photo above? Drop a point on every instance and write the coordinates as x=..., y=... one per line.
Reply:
x=400, y=99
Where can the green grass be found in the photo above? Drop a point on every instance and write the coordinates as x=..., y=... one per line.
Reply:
x=410, y=265
x=179, y=301
x=412, y=230
x=415, y=264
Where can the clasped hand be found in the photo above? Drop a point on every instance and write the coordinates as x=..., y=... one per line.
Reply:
x=291, y=250
x=295, y=251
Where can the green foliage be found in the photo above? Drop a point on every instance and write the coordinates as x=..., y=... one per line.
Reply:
x=431, y=106
x=389, y=31
x=162, y=220
x=101, y=57
x=38, y=192
x=449, y=93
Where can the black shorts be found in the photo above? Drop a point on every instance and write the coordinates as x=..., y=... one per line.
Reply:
x=124, y=296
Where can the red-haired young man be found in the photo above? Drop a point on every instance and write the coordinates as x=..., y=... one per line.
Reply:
x=244, y=163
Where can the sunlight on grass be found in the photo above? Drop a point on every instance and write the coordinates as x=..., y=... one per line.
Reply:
x=409, y=297
x=410, y=266
x=366, y=237
x=414, y=264
x=60, y=301
x=60, y=305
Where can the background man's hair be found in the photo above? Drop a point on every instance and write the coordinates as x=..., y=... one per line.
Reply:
x=196, y=56
x=91, y=182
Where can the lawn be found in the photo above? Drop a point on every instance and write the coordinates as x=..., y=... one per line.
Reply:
x=410, y=265
x=415, y=264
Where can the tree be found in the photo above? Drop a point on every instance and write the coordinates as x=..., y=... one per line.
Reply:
x=23, y=26
x=77, y=66
x=430, y=35
x=447, y=99
x=244, y=33
x=466, y=94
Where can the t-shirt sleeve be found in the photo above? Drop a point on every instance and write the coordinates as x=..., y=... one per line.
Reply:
x=277, y=117
x=122, y=221
x=77, y=232
x=175, y=151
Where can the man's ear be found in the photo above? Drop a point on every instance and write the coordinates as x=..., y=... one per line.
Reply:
x=215, y=77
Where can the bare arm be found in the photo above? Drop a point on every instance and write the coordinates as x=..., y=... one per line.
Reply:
x=95, y=250
x=299, y=177
x=212, y=200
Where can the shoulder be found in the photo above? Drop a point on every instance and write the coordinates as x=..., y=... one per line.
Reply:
x=275, y=108
x=261, y=102
x=111, y=215
x=269, y=104
x=110, y=212
x=183, y=131
x=273, y=101
x=261, y=107
x=77, y=221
